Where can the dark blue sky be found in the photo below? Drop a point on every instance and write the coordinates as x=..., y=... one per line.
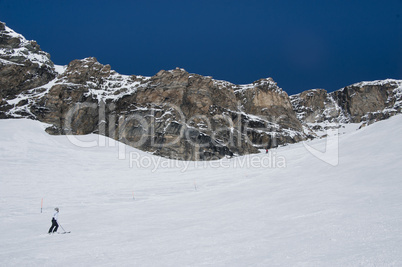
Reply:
x=300, y=44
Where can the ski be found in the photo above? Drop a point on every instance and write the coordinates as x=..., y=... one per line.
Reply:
x=64, y=233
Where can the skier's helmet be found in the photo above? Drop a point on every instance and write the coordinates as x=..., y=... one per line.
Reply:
x=56, y=209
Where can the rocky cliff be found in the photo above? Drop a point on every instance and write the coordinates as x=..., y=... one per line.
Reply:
x=364, y=102
x=174, y=113
x=23, y=66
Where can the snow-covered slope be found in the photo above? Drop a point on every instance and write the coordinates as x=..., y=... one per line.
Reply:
x=286, y=208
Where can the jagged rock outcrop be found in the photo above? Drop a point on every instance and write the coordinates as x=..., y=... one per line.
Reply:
x=71, y=101
x=364, y=102
x=370, y=101
x=23, y=65
x=207, y=113
x=272, y=106
x=315, y=106
x=174, y=113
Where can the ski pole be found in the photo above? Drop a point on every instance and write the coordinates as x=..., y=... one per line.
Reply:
x=65, y=232
x=62, y=227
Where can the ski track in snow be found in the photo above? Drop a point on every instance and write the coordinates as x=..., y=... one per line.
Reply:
x=307, y=214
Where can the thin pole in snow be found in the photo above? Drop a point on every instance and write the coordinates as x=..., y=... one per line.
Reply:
x=133, y=196
x=195, y=186
x=41, y=205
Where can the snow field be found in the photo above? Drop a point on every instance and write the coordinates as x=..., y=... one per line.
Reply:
x=308, y=213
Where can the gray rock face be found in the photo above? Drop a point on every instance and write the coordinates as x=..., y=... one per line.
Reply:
x=316, y=106
x=174, y=113
x=361, y=102
x=195, y=117
x=370, y=101
x=23, y=65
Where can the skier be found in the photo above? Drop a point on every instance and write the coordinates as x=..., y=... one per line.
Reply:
x=55, y=225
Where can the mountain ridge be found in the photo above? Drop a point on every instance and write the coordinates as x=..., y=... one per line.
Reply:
x=174, y=113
